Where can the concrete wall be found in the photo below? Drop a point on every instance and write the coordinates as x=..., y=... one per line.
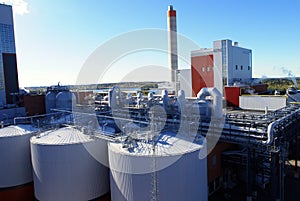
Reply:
x=185, y=81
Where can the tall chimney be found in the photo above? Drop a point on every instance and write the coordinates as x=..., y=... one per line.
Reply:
x=172, y=40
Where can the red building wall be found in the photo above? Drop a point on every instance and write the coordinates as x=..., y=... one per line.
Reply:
x=34, y=104
x=214, y=168
x=232, y=95
x=83, y=96
x=201, y=75
x=19, y=193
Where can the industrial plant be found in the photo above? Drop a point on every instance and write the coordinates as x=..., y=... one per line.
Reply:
x=215, y=131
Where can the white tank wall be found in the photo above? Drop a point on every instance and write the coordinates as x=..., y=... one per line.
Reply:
x=63, y=169
x=185, y=179
x=15, y=163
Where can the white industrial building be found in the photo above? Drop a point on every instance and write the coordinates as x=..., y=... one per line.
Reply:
x=223, y=65
x=235, y=62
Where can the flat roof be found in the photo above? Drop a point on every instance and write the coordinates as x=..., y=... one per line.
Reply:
x=202, y=52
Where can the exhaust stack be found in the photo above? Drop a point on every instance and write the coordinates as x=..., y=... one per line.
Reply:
x=172, y=41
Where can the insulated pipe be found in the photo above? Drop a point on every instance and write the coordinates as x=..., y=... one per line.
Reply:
x=139, y=95
x=181, y=101
x=150, y=96
x=203, y=93
x=119, y=90
x=218, y=103
x=181, y=96
x=112, y=96
x=217, y=100
x=271, y=127
x=270, y=132
x=165, y=98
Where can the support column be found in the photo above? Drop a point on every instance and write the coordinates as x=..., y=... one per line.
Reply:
x=249, y=174
x=275, y=175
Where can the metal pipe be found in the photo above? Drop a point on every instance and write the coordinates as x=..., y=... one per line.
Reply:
x=271, y=127
x=217, y=100
x=40, y=115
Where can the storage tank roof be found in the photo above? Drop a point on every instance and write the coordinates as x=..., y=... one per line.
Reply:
x=62, y=136
x=17, y=130
x=166, y=145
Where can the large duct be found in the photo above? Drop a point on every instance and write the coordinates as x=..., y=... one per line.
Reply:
x=172, y=41
x=217, y=100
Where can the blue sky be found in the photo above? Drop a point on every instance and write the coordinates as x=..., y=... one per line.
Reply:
x=54, y=38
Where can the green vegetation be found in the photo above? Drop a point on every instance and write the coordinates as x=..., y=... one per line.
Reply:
x=279, y=83
x=144, y=86
x=149, y=86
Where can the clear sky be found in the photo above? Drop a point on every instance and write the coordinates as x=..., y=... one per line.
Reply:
x=55, y=37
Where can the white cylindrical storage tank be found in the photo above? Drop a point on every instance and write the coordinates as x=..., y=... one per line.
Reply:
x=67, y=165
x=65, y=100
x=50, y=101
x=181, y=170
x=15, y=163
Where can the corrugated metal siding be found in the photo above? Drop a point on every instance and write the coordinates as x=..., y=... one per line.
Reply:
x=260, y=102
x=66, y=166
x=179, y=176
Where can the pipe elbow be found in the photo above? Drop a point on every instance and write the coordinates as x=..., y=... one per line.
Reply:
x=270, y=132
x=202, y=94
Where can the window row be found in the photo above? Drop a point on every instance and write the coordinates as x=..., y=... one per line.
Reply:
x=237, y=67
x=207, y=69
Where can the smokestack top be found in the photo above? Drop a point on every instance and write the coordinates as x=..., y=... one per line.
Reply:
x=171, y=11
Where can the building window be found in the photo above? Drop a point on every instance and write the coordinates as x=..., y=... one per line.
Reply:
x=203, y=69
x=207, y=69
x=248, y=67
x=236, y=67
x=241, y=67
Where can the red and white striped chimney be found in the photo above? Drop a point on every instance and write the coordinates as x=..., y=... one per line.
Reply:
x=172, y=41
